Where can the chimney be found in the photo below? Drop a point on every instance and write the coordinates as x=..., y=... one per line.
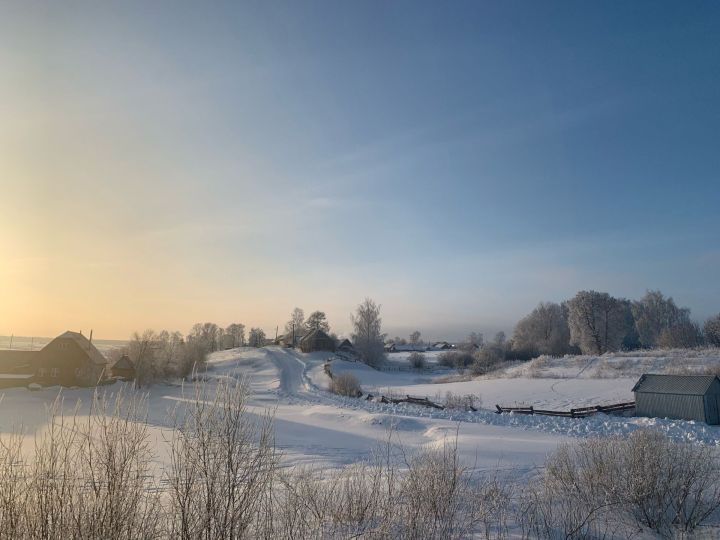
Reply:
x=91, y=335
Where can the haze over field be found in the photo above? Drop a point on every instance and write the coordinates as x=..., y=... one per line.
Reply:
x=165, y=163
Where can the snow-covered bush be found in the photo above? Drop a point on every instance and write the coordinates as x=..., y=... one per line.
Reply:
x=465, y=402
x=486, y=360
x=417, y=360
x=345, y=384
x=597, y=486
x=456, y=359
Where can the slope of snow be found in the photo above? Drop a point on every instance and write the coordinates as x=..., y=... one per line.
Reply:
x=313, y=426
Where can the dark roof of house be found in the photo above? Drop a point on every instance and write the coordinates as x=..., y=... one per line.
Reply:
x=694, y=385
x=95, y=356
x=124, y=363
x=315, y=334
x=345, y=344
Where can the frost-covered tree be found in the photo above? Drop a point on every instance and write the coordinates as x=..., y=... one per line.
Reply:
x=367, y=336
x=597, y=321
x=256, y=337
x=683, y=335
x=712, y=331
x=653, y=314
x=237, y=331
x=296, y=325
x=206, y=334
x=415, y=338
x=474, y=341
x=317, y=321
x=544, y=331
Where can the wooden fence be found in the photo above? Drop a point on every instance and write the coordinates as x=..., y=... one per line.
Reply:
x=425, y=402
x=580, y=412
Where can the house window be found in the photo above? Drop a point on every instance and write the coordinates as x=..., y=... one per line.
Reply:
x=42, y=372
x=55, y=373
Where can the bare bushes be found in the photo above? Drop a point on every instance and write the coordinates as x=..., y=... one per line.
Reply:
x=597, y=486
x=486, y=360
x=89, y=477
x=429, y=494
x=467, y=402
x=345, y=384
x=456, y=359
x=222, y=465
x=417, y=360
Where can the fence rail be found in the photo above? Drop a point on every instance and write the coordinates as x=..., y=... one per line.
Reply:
x=579, y=412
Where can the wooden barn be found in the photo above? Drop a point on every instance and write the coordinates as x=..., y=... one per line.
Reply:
x=346, y=346
x=317, y=340
x=70, y=360
x=123, y=368
x=682, y=397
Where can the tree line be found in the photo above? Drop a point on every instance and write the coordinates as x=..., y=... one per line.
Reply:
x=595, y=322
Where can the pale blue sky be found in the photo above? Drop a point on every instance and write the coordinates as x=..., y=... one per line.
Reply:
x=458, y=162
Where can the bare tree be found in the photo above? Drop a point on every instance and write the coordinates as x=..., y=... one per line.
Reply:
x=415, y=338
x=653, y=314
x=295, y=327
x=597, y=322
x=207, y=335
x=367, y=336
x=474, y=341
x=256, y=338
x=712, y=330
x=682, y=335
x=237, y=331
x=317, y=321
x=222, y=464
x=544, y=331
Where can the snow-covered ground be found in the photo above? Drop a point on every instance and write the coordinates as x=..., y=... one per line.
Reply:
x=314, y=426
x=619, y=364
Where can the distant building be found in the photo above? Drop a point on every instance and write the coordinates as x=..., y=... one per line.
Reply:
x=317, y=340
x=123, y=368
x=682, y=397
x=408, y=347
x=441, y=346
x=68, y=360
x=345, y=345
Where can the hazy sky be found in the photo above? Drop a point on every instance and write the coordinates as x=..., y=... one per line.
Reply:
x=163, y=163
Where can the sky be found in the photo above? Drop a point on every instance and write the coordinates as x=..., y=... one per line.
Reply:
x=165, y=163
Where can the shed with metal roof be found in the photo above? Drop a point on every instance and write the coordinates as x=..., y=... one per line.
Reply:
x=682, y=397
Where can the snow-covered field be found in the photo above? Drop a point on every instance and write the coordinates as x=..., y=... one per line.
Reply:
x=314, y=426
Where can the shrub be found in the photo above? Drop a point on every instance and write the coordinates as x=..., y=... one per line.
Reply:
x=465, y=402
x=644, y=480
x=345, y=384
x=456, y=359
x=417, y=360
x=487, y=360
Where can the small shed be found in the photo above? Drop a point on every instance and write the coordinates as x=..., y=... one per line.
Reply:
x=123, y=368
x=317, y=340
x=682, y=397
